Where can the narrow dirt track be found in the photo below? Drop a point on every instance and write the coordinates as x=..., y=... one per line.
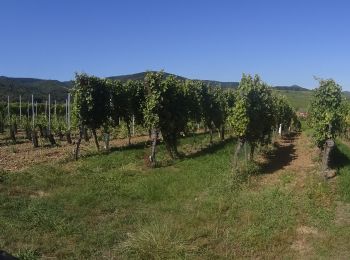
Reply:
x=294, y=155
x=292, y=168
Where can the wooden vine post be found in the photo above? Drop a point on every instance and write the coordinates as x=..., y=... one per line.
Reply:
x=34, y=133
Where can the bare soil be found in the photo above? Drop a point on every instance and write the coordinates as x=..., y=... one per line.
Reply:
x=293, y=154
x=19, y=156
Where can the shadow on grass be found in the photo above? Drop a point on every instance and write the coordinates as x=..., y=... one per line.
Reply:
x=209, y=149
x=145, y=145
x=134, y=146
x=281, y=156
x=92, y=153
x=338, y=159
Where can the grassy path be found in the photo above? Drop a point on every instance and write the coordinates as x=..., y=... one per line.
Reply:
x=322, y=218
x=295, y=154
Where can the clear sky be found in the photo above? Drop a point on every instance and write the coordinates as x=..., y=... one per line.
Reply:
x=285, y=41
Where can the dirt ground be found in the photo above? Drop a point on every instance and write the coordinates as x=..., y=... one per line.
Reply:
x=294, y=154
x=19, y=156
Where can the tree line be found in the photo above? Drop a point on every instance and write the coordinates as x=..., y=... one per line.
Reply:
x=171, y=107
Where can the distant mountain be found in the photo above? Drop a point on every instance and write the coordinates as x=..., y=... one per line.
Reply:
x=141, y=76
x=347, y=94
x=293, y=87
x=40, y=88
x=222, y=84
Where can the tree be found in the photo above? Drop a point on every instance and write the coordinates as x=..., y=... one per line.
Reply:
x=224, y=101
x=133, y=101
x=91, y=104
x=153, y=86
x=284, y=113
x=165, y=110
x=193, y=95
x=127, y=101
x=325, y=116
x=215, y=105
x=117, y=100
x=252, y=115
x=211, y=112
x=324, y=112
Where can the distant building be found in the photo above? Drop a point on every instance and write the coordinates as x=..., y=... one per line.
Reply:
x=302, y=114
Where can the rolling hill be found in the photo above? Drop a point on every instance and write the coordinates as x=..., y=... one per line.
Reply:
x=40, y=88
x=293, y=88
x=141, y=76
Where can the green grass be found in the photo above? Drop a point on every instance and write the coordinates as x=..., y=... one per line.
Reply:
x=300, y=100
x=329, y=209
x=343, y=162
x=113, y=206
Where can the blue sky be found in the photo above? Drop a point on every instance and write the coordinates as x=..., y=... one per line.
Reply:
x=285, y=41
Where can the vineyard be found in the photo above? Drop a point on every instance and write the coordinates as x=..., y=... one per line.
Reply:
x=161, y=107
x=170, y=168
